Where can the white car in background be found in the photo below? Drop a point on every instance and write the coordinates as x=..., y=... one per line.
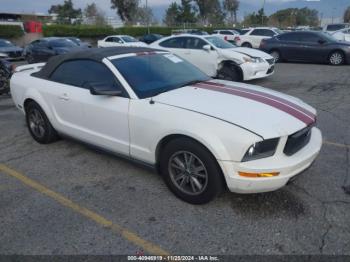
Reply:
x=219, y=58
x=342, y=35
x=253, y=36
x=228, y=35
x=120, y=40
x=151, y=106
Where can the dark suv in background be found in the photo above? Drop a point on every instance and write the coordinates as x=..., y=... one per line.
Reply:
x=42, y=49
x=307, y=46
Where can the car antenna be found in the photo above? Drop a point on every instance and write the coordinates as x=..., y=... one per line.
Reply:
x=152, y=101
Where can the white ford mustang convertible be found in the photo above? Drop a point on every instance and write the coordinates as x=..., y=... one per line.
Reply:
x=151, y=106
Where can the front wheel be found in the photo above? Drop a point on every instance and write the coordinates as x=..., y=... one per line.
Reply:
x=336, y=58
x=229, y=73
x=190, y=171
x=276, y=55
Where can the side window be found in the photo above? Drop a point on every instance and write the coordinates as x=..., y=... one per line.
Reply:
x=257, y=32
x=215, y=32
x=263, y=32
x=194, y=43
x=109, y=39
x=85, y=73
x=177, y=42
x=226, y=33
x=291, y=37
x=309, y=38
x=117, y=40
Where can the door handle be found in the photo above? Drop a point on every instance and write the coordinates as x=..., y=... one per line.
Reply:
x=64, y=97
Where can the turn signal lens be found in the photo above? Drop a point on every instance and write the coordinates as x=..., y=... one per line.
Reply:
x=258, y=175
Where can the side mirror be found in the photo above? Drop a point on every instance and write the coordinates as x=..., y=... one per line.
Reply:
x=105, y=92
x=207, y=48
x=321, y=41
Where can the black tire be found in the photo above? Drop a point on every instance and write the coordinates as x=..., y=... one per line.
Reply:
x=248, y=45
x=30, y=59
x=336, y=58
x=39, y=125
x=229, y=73
x=4, y=82
x=277, y=55
x=202, y=161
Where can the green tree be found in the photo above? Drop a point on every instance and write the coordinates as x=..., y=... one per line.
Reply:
x=231, y=6
x=187, y=13
x=347, y=15
x=66, y=13
x=172, y=14
x=126, y=9
x=144, y=15
x=255, y=19
x=94, y=15
x=210, y=12
x=294, y=17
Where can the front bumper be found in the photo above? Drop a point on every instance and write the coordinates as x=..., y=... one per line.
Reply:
x=257, y=70
x=287, y=166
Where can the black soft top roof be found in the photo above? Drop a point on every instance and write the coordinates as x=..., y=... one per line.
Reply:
x=96, y=54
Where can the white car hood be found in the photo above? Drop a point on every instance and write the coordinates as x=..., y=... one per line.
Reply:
x=258, y=117
x=246, y=51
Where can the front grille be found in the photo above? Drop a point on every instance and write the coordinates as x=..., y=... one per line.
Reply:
x=297, y=141
x=271, y=61
x=15, y=54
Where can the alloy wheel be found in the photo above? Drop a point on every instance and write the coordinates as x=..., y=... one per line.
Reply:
x=336, y=58
x=188, y=173
x=37, y=123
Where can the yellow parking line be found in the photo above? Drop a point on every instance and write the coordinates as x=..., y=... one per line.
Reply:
x=128, y=235
x=336, y=144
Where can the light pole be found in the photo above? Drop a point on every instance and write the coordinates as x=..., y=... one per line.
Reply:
x=147, y=17
x=262, y=15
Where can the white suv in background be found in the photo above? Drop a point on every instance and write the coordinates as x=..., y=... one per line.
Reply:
x=253, y=36
x=219, y=58
x=342, y=35
x=228, y=35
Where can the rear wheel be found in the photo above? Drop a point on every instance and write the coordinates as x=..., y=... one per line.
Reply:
x=249, y=45
x=230, y=73
x=190, y=171
x=336, y=58
x=39, y=125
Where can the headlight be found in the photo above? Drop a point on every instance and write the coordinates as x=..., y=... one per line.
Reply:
x=261, y=149
x=253, y=59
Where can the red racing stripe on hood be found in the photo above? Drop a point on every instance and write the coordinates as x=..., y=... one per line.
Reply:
x=276, y=103
x=282, y=100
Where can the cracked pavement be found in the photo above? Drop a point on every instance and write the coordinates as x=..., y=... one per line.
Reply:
x=309, y=217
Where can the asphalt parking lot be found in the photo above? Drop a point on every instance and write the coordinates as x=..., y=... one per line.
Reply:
x=66, y=198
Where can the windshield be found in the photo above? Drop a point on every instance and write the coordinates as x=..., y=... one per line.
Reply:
x=75, y=40
x=219, y=43
x=5, y=43
x=278, y=31
x=129, y=39
x=62, y=43
x=150, y=75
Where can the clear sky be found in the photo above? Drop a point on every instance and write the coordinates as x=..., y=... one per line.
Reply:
x=325, y=6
